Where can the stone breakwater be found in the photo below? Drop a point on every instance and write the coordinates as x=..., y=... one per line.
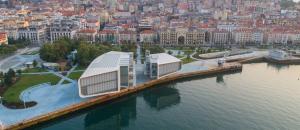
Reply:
x=102, y=99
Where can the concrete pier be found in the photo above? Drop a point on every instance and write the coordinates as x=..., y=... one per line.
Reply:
x=230, y=67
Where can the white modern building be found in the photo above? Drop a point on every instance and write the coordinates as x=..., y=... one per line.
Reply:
x=107, y=74
x=278, y=54
x=161, y=64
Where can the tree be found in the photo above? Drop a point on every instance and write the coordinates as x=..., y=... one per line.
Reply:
x=154, y=49
x=11, y=72
x=19, y=72
x=34, y=63
x=58, y=50
x=47, y=53
x=83, y=54
x=1, y=79
x=8, y=77
x=170, y=52
x=1, y=75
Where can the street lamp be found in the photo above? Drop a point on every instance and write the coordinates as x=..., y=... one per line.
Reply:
x=1, y=100
x=24, y=101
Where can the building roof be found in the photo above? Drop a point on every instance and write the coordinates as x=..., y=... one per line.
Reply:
x=87, y=31
x=163, y=58
x=147, y=32
x=107, y=62
x=3, y=36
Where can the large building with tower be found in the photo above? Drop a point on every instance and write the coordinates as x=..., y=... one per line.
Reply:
x=182, y=37
x=108, y=73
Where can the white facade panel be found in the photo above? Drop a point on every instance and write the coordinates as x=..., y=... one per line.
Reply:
x=103, y=75
x=168, y=68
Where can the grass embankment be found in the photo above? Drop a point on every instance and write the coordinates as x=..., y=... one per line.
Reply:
x=75, y=75
x=179, y=56
x=34, y=70
x=26, y=81
x=79, y=67
x=187, y=60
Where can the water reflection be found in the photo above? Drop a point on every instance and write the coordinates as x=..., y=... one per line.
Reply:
x=162, y=97
x=119, y=114
x=114, y=116
x=220, y=78
x=278, y=67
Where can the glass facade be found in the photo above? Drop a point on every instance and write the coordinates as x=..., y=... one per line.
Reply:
x=154, y=70
x=124, y=75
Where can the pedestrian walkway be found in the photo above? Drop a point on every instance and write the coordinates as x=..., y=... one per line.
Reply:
x=66, y=77
x=49, y=98
x=139, y=57
x=17, y=59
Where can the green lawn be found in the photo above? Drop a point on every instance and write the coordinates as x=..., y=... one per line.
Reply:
x=75, y=75
x=26, y=81
x=66, y=82
x=179, y=56
x=34, y=70
x=80, y=67
x=187, y=60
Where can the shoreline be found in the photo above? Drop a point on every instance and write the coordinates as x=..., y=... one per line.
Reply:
x=102, y=99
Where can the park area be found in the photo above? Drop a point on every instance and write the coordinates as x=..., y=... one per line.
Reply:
x=12, y=94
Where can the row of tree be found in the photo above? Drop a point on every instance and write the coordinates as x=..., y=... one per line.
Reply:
x=86, y=52
x=58, y=50
x=153, y=49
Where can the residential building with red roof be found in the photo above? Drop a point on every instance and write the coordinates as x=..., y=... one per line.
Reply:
x=88, y=35
x=3, y=38
x=148, y=37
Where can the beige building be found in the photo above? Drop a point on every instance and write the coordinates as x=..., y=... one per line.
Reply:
x=107, y=36
x=279, y=37
x=88, y=35
x=220, y=37
x=63, y=28
x=10, y=26
x=127, y=37
x=36, y=34
x=248, y=37
x=182, y=37
x=148, y=37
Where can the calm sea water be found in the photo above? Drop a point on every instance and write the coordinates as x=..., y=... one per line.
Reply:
x=262, y=96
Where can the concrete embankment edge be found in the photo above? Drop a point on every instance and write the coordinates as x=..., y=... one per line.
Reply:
x=269, y=60
x=124, y=92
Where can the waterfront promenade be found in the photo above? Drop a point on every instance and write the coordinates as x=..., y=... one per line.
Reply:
x=77, y=104
x=59, y=100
